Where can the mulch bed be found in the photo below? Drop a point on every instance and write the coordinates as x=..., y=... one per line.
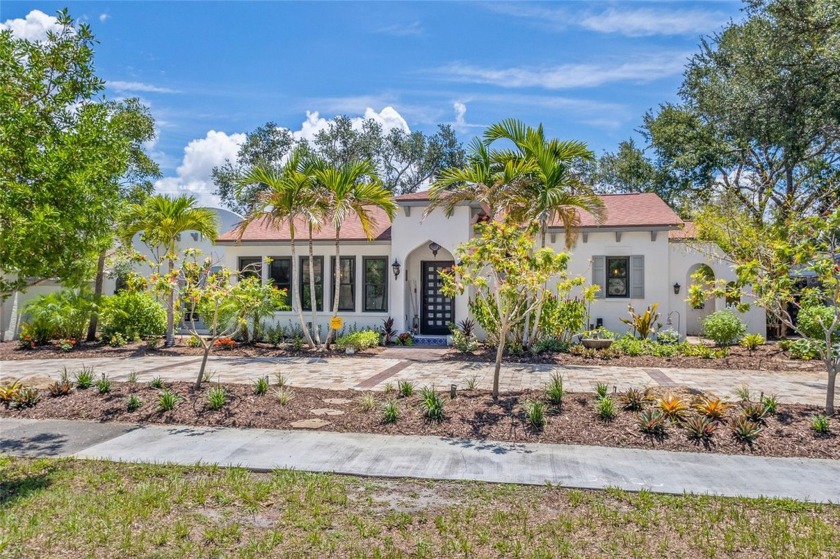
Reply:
x=767, y=358
x=472, y=415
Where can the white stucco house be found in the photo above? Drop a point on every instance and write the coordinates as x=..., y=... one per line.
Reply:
x=638, y=255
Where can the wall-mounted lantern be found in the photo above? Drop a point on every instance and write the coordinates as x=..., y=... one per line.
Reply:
x=434, y=247
x=396, y=268
x=677, y=288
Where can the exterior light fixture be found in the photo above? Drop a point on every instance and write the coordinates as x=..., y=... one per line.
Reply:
x=677, y=288
x=434, y=247
x=396, y=268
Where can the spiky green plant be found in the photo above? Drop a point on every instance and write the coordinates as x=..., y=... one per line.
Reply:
x=391, y=412
x=605, y=408
x=167, y=400
x=261, y=386
x=216, y=398
x=554, y=390
x=535, y=414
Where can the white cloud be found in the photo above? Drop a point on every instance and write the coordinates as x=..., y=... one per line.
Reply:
x=124, y=86
x=460, y=124
x=33, y=27
x=194, y=174
x=103, y=17
x=568, y=76
x=413, y=29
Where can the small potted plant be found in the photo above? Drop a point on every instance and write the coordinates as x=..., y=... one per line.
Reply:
x=600, y=338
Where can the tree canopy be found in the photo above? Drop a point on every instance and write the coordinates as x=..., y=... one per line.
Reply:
x=68, y=157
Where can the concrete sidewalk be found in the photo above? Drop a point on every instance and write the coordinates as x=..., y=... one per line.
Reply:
x=420, y=367
x=431, y=458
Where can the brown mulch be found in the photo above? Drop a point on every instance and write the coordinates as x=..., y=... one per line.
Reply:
x=766, y=358
x=472, y=415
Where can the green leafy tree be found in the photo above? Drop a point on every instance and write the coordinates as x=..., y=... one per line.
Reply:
x=351, y=189
x=67, y=156
x=261, y=301
x=506, y=275
x=160, y=220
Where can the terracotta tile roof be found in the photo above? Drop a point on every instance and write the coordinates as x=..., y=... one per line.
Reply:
x=633, y=210
x=422, y=196
x=688, y=231
x=351, y=230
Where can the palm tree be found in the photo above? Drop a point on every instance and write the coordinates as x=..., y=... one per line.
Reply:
x=486, y=179
x=160, y=220
x=552, y=191
x=287, y=198
x=352, y=189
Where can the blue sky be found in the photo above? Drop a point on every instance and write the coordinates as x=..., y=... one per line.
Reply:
x=211, y=71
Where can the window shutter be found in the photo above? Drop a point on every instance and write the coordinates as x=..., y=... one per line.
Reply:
x=599, y=275
x=637, y=277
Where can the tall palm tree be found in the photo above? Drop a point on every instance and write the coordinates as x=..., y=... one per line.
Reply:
x=352, y=189
x=552, y=191
x=486, y=179
x=286, y=198
x=160, y=220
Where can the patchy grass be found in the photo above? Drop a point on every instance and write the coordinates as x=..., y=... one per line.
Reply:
x=74, y=508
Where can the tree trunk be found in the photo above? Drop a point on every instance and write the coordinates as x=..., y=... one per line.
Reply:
x=336, y=285
x=312, y=297
x=207, y=346
x=170, y=310
x=97, y=297
x=829, y=396
x=296, y=302
x=500, y=351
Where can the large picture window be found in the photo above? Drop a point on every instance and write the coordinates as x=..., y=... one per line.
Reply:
x=376, y=284
x=318, y=264
x=250, y=266
x=347, y=284
x=618, y=276
x=280, y=275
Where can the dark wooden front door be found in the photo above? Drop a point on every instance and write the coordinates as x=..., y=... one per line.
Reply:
x=438, y=310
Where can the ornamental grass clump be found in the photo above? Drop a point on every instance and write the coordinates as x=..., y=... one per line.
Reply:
x=405, y=388
x=133, y=403
x=167, y=400
x=554, y=390
x=432, y=404
x=84, y=378
x=216, y=398
x=103, y=384
x=367, y=402
x=601, y=390
x=390, y=413
x=605, y=408
x=535, y=414
x=261, y=386
x=821, y=424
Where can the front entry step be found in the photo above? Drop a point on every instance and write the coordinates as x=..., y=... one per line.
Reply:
x=427, y=340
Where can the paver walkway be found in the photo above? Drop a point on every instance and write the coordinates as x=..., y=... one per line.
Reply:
x=424, y=367
x=431, y=458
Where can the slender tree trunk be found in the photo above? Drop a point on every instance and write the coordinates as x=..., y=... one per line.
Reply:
x=500, y=351
x=829, y=396
x=336, y=285
x=296, y=302
x=312, y=296
x=207, y=346
x=97, y=297
x=170, y=310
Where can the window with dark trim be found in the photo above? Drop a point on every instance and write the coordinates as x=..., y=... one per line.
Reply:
x=318, y=264
x=375, y=284
x=347, y=283
x=250, y=266
x=618, y=276
x=280, y=275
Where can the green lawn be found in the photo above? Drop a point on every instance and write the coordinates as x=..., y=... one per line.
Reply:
x=70, y=508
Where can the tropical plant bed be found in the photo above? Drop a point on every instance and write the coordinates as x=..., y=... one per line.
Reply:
x=766, y=358
x=11, y=351
x=472, y=415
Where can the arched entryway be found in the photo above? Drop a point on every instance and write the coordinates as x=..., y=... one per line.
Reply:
x=698, y=309
x=430, y=312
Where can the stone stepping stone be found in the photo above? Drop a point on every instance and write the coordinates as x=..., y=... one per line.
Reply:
x=326, y=411
x=309, y=424
x=337, y=401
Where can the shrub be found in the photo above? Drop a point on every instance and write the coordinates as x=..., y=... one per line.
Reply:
x=554, y=390
x=562, y=318
x=700, y=429
x=673, y=407
x=103, y=384
x=60, y=315
x=745, y=430
x=803, y=349
x=134, y=402
x=405, y=339
x=367, y=402
x=601, y=390
x=464, y=343
x=605, y=408
x=432, y=404
x=652, y=422
x=723, y=327
x=167, y=400
x=132, y=315
x=549, y=345
x=535, y=414
x=391, y=413
x=84, y=378
x=711, y=408
x=156, y=382
x=194, y=341
x=153, y=342
x=261, y=386
x=25, y=398
x=808, y=322
x=216, y=398
x=750, y=342
x=358, y=341
x=117, y=340
x=668, y=337
x=634, y=399
x=820, y=424
x=405, y=388
x=225, y=343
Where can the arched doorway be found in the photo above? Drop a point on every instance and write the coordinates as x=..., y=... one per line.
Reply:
x=430, y=312
x=698, y=309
